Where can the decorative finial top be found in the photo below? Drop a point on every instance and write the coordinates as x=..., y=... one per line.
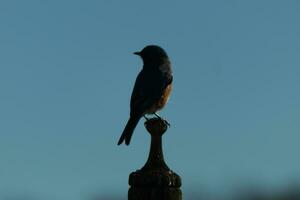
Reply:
x=155, y=172
x=156, y=126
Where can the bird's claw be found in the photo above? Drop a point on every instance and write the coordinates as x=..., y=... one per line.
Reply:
x=166, y=122
x=146, y=118
x=158, y=117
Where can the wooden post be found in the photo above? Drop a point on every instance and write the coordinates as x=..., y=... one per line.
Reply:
x=155, y=181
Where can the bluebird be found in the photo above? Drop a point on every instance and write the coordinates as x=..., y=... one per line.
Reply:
x=151, y=90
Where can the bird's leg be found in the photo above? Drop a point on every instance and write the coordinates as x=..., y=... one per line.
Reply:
x=162, y=119
x=157, y=115
x=146, y=118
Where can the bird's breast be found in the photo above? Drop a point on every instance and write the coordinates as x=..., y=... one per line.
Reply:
x=162, y=101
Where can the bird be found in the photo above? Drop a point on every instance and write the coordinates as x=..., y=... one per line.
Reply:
x=151, y=90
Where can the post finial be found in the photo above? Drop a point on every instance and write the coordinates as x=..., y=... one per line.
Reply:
x=155, y=181
x=156, y=126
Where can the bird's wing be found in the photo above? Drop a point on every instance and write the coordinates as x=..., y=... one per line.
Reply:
x=139, y=95
x=148, y=89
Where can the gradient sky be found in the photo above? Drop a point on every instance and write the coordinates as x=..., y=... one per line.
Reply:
x=67, y=72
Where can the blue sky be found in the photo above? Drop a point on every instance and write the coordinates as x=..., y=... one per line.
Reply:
x=66, y=75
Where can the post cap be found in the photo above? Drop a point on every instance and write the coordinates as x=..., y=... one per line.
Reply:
x=156, y=126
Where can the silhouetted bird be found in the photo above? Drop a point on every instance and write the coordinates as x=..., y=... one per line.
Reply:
x=151, y=90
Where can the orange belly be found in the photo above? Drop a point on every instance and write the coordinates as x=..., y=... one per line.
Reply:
x=162, y=101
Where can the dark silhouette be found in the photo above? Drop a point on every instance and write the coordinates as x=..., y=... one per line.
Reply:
x=151, y=90
x=155, y=181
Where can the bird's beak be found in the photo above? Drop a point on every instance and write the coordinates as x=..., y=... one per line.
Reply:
x=137, y=53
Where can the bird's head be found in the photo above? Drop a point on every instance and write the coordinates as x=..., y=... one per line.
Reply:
x=153, y=54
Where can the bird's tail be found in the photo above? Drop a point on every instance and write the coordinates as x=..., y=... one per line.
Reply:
x=128, y=131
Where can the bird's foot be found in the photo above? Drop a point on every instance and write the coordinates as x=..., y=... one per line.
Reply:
x=165, y=121
x=146, y=118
